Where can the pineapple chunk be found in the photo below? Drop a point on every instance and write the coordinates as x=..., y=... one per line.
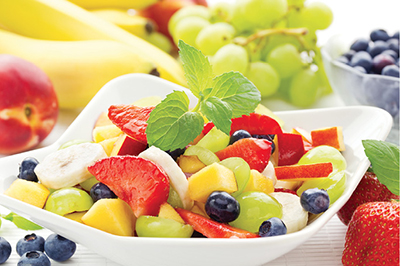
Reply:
x=259, y=182
x=29, y=192
x=105, y=132
x=75, y=216
x=168, y=212
x=190, y=163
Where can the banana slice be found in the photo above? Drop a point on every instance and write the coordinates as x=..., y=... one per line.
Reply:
x=68, y=167
x=294, y=216
x=174, y=172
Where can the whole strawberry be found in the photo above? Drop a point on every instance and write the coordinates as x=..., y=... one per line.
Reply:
x=372, y=238
x=369, y=189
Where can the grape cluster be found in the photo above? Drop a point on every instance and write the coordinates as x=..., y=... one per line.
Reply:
x=271, y=42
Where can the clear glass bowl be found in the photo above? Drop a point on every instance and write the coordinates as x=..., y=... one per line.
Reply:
x=356, y=88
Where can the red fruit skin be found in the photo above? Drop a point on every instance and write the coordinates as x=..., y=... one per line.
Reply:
x=290, y=148
x=137, y=181
x=253, y=123
x=303, y=172
x=372, y=237
x=28, y=105
x=256, y=152
x=368, y=190
x=212, y=229
x=131, y=119
x=286, y=190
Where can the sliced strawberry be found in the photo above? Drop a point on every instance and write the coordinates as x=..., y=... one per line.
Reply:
x=212, y=229
x=256, y=152
x=131, y=119
x=303, y=172
x=137, y=181
x=290, y=148
x=255, y=124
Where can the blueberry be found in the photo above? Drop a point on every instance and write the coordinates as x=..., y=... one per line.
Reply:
x=101, y=191
x=343, y=59
x=360, y=45
x=269, y=138
x=393, y=45
x=34, y=258
x=380, y=61
x=59, y=248
x=272, y=227
x=222, y=207
x=363, y=59
x=5, y=250
x=379, y=34
x=176, y=153
x=377, y=48
x=395, y=36
x=361, y=69
x=391, y=70
x=26, y=169
x=315, y=200
x=349, y=54
x=392, y=53
x=239, y=134
x=30, y=242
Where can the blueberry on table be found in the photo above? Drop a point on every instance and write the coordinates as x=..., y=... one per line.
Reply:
x=34, y=258
x=239, y=134
x=315, y=200
x=59, y=248
x=101, y=191
x=5, y=250
x=26, y=169
x=222, y=207
x=30, y=242
x=272, y=227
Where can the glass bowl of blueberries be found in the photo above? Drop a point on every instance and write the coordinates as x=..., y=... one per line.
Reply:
x=365, y=71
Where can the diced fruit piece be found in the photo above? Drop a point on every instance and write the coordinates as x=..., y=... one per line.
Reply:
x=261, y=109
x=126, y=145
x=259, y=182
x=303, y=133
x=152, y=226
x=137, y=181
x=331, y=136
x=199, y=208
x=29, y=192
x=290, y=148
x=67, y=200
x=212, y=229
x=148, y=101
x=240, y=169
x=111, y=215
x=168, y=212
x=256, y=152
x=102, y=120
x=255, y=208
x=222, y=207
x=303, y=172
x=214, y=177
x=105, y=132
x=205, y=155
x=131, y=119
x=190, y=163
x=174, y=199
x=108, y=145
x=214, y=140
x=269, y=172
x=272, y=227
x=75, y=216
x=88, y=183
x=315, y=200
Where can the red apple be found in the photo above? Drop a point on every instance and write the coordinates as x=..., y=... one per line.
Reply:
x=303, y=172
x=331, y=136
x=126, y=145
x=28, y=105
x=290, y=148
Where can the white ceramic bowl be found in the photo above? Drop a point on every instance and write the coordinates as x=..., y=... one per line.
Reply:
x=356, y=88
x=360, y=122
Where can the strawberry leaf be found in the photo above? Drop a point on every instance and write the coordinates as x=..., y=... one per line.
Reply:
x=384, y=158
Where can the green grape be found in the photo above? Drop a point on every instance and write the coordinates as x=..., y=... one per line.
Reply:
x=230, y=57
x=264, y=77
x=276, y=40
x=187, y=11
x=263, y=13
x=72, y=142
x=295, y=18
x=160, y=40
x=221, y=12
x=255, y=208
x=317, y=16
x=296, y=3
x=285, y=59
x=89, y=183
x=205, y=155
x=214, y=36
x=67, y=200
x=254, y=51
x=152, y=226
x=215, y=140
x=188, y=28
x=239, y=21
x=174, y=199
x=303, y=89
x=241, y=169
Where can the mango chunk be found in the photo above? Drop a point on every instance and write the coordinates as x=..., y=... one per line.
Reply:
x=113, y=216
x=29, y=192
x=108, y=145
x=214, y=177
x=259, y=182
x=105, y=132
x=75, y=216
x=168, y=212
x=190, y=163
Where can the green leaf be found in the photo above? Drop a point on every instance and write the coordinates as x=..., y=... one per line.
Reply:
x=21, y=222
x=198, y=71
x=237, y=91
x=219, y=112
x=171, y=125
x=384, y=158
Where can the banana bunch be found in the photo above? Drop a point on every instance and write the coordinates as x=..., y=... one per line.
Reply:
x=77, y=49
x=125, y=4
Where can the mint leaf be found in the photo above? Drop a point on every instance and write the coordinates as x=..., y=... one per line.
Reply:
x=198, y=71
x=236, y=90
x=171, y=125
x=21, y=222
x=384, y=158
x=219, y=112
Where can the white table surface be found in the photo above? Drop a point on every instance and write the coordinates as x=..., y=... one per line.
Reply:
x=325, y=248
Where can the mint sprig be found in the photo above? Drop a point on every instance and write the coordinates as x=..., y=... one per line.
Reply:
x=384, y=158
x=173, y=125
x=21, y=222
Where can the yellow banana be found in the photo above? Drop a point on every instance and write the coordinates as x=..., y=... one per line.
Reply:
x=62, y=20
x=127, y=4
x=135, y=24
x=161, y=41
x=77, y=69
